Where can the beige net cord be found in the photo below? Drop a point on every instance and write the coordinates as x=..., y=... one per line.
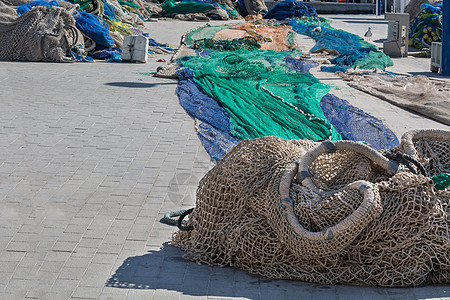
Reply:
x=41, y=34
x=331, y=212
x=430, y=147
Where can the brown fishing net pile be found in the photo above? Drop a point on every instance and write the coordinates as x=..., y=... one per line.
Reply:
x=427, y=96
x=354, y=218
x=269, y=37
x=41, y=34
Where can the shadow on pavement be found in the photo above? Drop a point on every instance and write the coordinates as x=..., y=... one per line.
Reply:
x=430, y=75
x=138, y=84
x=165, y=269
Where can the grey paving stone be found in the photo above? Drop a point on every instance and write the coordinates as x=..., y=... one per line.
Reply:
x=87, y=293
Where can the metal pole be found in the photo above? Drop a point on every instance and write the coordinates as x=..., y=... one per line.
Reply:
x=378, y=7
x=445, y=68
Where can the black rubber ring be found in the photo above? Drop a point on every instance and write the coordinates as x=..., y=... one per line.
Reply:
x=180, y=220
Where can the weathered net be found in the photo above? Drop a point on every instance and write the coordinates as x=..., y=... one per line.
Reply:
x=354, y=218
x=427, y=96
x=41, y=34
x=262, y=95
x=353, y=51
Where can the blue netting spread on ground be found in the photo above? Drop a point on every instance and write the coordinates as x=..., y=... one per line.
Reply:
x=355, y=124
x=26, y=7
x=216, y=142
x=330, y=38
x=289, y=9
x=353, y=51
x=94, y=27
x=199, y=105
x=214, y=127
x=300, y=65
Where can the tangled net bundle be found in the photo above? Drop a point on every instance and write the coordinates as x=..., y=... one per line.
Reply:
x=41, y=34
x=331, y=212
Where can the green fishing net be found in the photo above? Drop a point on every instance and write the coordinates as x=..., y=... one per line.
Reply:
x=249, y=43
x=206, y=32
x=263, y=96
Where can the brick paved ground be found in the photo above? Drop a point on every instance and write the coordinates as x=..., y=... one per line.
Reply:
x=91, y=157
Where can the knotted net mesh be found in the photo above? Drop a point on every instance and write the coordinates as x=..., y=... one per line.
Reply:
x=388, y=230
x=40, y=34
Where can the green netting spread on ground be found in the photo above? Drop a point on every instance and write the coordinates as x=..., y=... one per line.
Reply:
x=206, y=32
x=262, y=95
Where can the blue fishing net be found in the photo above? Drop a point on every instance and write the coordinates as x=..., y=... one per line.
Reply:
x=354, y=52
x=94, y=27
x=214, y=128
x=21, y=9
x=356, y=125
x=300, y=65
x=112, y=54
x=109, y=10
x=289, y=9
x=242, y=8
x=217, y=143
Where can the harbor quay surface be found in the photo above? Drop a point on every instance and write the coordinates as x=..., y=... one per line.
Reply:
x=92, y=155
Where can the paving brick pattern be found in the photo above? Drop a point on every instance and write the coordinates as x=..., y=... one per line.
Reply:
x=91, y=157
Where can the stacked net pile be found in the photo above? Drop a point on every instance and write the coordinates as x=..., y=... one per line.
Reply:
x=289, y=9
x=262, y=35
x=421, y=94
x=427, y=28
x=332, y=212
x=353, y=51
x=40, y=34
x=414, y=8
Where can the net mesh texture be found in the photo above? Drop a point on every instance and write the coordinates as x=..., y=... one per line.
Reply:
x=40, y=34
x=401, y=239
x=219, y=78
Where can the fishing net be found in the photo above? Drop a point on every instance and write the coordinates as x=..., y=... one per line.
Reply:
x=263, y=95
x=95, y=27
x=8, y=13
x=268, y=36
x=26, y=7
x=356, y=125
x=211, y=9
x=203, y=105
x=421, y=94
x=331, y=212
x=289, y=9
x=252, y=7
x=353, y=51
x=427, y=28
x=40, y=34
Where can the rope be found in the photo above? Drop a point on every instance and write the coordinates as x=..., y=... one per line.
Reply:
x=168, y=217
x=406, y=160
x=442, y=181
x=180, y=220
